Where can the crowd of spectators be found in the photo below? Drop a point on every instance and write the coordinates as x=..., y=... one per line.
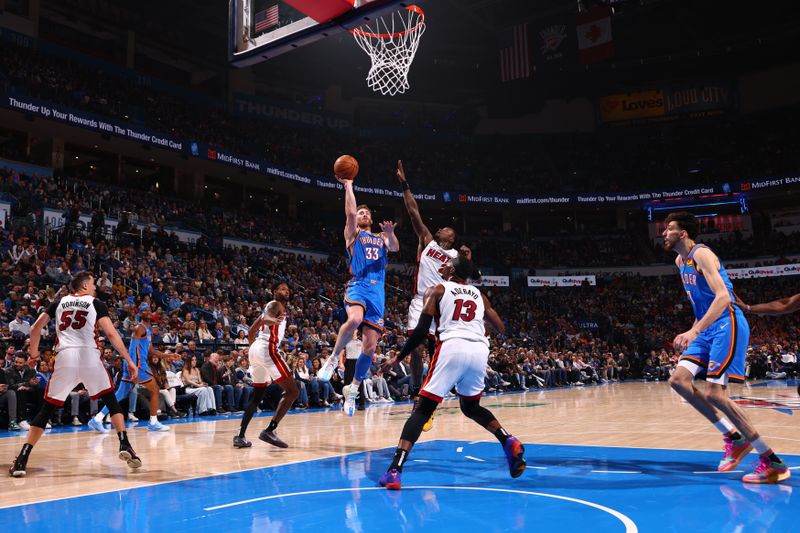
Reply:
x=205, y=298
x=622, y=159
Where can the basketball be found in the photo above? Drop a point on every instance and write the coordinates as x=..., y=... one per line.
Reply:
x=346, y=167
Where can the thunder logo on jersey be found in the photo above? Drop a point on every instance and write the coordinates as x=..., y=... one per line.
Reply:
x=696, y=286
x=367, y=256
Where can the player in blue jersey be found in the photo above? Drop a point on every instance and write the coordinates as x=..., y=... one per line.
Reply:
x=140, y=349
x=364, y=294
x=715, y=345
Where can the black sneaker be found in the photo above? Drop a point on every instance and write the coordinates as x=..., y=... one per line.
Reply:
x=241, y=442
x=19, y=466
x=271, y=438
x=127, y=454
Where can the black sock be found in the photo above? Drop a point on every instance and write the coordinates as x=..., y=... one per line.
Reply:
x=272, y=426
x=735, y=436
x=123, y=437
x=774, y=458
x=26, y=451
x=399, y=458
x=251, y=409
x=501, y=435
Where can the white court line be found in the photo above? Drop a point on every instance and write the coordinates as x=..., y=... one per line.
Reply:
x=717, y=472
x=630, y=526
x=420, y=461
x=794, y=467
x=615, y=472
x=537, y=467
x=460, y=449
x=475, y=459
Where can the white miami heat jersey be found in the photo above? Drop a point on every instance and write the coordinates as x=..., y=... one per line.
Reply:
x=461, y=313
x=76, y=321
x=272, y=333
x=429, y=267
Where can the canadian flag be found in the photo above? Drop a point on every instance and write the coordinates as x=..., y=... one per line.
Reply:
x=594, y=35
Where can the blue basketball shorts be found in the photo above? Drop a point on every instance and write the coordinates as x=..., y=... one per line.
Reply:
x=369, y=296
x=720, y=350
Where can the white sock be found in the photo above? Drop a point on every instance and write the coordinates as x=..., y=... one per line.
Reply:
x=760, y=446
x=99, y=417
x=724, y=426
x=154, y=420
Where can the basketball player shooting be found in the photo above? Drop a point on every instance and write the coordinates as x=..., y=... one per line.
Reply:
x=78, y=360
x=365, y=294
x=460, y=361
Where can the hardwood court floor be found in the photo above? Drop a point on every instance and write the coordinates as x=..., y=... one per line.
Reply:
x=634, y=414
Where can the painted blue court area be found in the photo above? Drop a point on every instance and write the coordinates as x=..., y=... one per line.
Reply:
x=448, y=486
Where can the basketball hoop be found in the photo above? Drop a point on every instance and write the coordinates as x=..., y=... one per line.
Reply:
x=391, y=43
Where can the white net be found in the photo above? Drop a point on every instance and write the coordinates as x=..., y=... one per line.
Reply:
x=391, y=43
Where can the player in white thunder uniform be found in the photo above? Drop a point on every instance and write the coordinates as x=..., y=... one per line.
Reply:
x=267, y=366
x=78, y=316
x=434, y=253
x=460, y=361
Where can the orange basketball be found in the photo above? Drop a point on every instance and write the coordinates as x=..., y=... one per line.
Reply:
x=346, y=167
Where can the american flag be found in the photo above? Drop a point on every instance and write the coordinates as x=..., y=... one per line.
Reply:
x=266, y=19
x=515, y=54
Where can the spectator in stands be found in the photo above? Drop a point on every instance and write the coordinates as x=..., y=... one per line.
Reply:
x=8, y=402
x=193, y=381
x=19, y=327
x=22, y=379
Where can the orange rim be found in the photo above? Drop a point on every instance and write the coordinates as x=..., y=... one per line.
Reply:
x=415, y=9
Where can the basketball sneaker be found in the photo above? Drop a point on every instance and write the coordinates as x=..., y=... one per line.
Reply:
x=390, y=479
x=350, y=397
x=326, y=370
x=271, y=438
x=19, y=467
x=429, y=424
x=97, y=426
x=156, y=426
x=241, y=442
x=768, y=472
x=127, y=454
x=735, y=451
x=514, y=450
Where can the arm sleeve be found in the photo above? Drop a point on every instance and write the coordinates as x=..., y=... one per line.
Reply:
x=417, y=336
x=100, y=308
x=51, y=311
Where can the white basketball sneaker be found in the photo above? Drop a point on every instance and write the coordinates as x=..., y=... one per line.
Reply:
x=350, y=395
x=326, y=370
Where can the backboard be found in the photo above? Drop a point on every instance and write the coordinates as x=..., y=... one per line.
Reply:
x=262, y=29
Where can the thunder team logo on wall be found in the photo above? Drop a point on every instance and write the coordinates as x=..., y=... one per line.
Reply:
x=552, y=37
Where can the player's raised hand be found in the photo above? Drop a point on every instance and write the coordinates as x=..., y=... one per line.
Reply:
x=401, y=174
x=387, y=226
x=343, y=181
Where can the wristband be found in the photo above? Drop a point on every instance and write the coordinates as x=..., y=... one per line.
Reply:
x=406, y=186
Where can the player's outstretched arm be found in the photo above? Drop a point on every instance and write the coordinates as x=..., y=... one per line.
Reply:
x=491, y=316
x=350, y=211
x=781, y=306
x=422, y=231
x=105, y=324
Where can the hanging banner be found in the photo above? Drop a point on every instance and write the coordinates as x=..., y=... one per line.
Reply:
x=764, y=272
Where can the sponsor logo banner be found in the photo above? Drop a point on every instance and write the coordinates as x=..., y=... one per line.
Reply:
x=493, y=281
x=632, y=106
x=89, y=121
x=764, y=272
x=560, y=281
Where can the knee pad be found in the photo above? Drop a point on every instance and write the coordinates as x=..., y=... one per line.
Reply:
x=111, y=403
x=43, y=416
